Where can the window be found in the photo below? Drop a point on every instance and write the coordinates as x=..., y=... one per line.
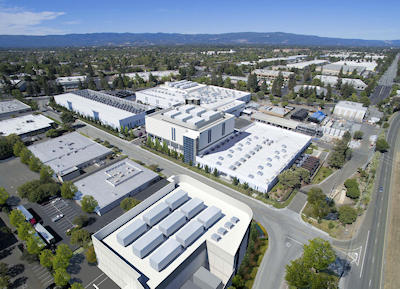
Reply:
x=209, y=136
x=173, y=134
x=223, y=128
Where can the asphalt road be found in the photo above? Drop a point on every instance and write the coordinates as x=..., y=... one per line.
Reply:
x=385, y=83
x=369, y=243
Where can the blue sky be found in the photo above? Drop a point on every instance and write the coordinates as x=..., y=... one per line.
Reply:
x=333, y=18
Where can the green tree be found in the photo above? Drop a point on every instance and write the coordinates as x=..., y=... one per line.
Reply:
x=34, y=164
x=62, y=256
x=317, y=199
x=91, y=255
x=323, y=281
x=68, y=190
x=80, y=237
x=89, y=204
x=347, y=214
x=358, y=135
x=298, y=274
x=25, y=231
x=252, y=83
x=238, y=282
x=25, y=156
x=16, y=218
x=381, y=145
x=77, y=285
x=318, y=254
x=128, y=203
x=81, y=221
x=215, y=172
x=352, y=189
x=46, y=258
x=67, y=117
x=61, y=277
x=4, y=281
x=289, y=179
x=46, y=174
x=17, y=148
x=3, y=196
x=32, y=245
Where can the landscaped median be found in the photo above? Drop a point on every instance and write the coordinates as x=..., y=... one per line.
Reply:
x=242, y=188
x=258, y=244
x=322, y=174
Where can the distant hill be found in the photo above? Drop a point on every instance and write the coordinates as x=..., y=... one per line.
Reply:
x=144, y=39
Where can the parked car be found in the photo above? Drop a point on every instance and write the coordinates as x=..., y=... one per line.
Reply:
x=381, y=189
x=57, y=218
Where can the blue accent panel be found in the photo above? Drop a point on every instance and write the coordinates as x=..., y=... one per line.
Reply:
x=189, y=153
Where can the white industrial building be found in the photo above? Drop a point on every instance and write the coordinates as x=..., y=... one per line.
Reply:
x=71, y=82
x=332, y=80
x=110, y=185
x=108, y=109
x=369, y=65
x=304, y=64
x=158, y=74
x=318, y=89
x=189, y=129
x=335, y=69
x=271, y=75
x=66, y=155
x=256, y=155
x=186, y=235
x=350, y=110
x=12, y=107
x=25, y=125
x=181, y=92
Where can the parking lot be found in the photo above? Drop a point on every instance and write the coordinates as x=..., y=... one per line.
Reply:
x=42, y=274
x=61, y=207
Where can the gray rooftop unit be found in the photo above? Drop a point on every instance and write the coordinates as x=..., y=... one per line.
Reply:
x=157, y=213
x=209, y=216
x=189, y=285
x=235, y=220
x=215, y=237
x=229, y=225
x=131, y=232
x=189, y=233
x=147, y=243
x=191, y=208
x=177, y=199
x=206, y=280
x=165, y=254
x=172, y=223
x=222, y=231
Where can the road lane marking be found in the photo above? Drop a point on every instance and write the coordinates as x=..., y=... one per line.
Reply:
x=365, y=252
x=94, y=280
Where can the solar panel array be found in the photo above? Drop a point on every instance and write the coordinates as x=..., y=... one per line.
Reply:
x=167, y=229
x=111, y=100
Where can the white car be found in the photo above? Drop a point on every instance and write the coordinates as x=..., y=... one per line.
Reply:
x=57, y=218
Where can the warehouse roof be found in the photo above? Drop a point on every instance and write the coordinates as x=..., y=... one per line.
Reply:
x=66, y=153
x=9, y=106
x=156, y=255
x=304, y=64
x=351, y=105
x=114, y=182
x=24, y=124
x=279, y=121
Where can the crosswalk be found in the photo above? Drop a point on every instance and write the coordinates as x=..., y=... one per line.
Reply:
x=42, y=274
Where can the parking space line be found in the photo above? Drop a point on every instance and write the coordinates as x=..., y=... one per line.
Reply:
x=98, y=284
x=94, y=280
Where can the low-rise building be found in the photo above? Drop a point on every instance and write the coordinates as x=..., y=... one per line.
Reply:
x=12, y=107
x=109, y=110
x=304, y=64
x=368, y=65
x=271, y=75
x=332, y=80
x=158, y=74
x=185, y=234
x=189, y=129
x=255, y=155
x=110, y=185
x=276, y=110
x=350, y=110
x=70, y=82
x=336, y=69
x=26, y=125
x=318, y=89
x=67, y=155
x=183, y=92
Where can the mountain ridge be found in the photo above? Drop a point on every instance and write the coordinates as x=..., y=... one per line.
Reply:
x=148, y=39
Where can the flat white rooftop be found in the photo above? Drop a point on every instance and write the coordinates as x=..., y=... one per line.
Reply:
x=271, y=73
x=369, y=65
x=9, y=106
x=256, y=155
x=66, y=153
x=24, y=124
x=211, y=211
x=114, y=182
x=304, y=64
x=70, y=79
x=351, y=105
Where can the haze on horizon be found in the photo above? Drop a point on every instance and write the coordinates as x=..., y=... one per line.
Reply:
x=345, y=19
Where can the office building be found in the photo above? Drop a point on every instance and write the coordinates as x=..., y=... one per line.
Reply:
x=184, y=92
x=26, y=125
x=335, y=69
x=158, y=74
x=109, y=110
x=189, y=129
x=12, y=107
x=67, y=155
x=70, y=82
x=271, y=75
x=317, y=89
x=185, y=235
x=255, y=155
x=304, y=64
x=332, y=80
x=112, y=184
x=350, y=110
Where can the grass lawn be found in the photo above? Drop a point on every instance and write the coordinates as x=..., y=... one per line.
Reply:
x=322, y=174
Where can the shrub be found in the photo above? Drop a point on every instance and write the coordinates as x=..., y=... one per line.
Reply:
x=347, y=214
